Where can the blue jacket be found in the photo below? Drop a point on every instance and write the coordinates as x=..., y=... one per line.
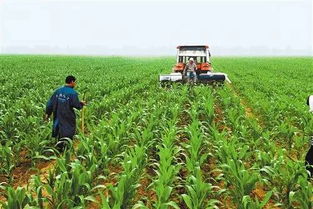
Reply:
x=61, y=104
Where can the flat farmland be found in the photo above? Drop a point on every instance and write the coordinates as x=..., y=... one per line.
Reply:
x=240, y=145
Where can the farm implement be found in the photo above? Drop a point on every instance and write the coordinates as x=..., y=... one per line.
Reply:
x=204, y=72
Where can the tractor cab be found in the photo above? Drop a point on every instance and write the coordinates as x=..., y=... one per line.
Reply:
x=200, y=54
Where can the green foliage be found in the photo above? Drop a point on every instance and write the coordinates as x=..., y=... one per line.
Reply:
x=17, y=198
x=255, y=130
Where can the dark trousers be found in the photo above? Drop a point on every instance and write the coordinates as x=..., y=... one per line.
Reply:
x=309, y=160
x=63, y=142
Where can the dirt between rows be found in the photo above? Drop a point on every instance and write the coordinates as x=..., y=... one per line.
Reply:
x=182, y=138
x=143, y=193
x=114, y=171
x=259, y=192
x=210, y=167
x=24, y=170
x=249, y=112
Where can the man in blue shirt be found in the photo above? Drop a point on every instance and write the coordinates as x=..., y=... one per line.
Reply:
x=62, y=104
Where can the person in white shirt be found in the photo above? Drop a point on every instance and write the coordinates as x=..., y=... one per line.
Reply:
x=310, y=103
x=190, y=71
x=309, y=155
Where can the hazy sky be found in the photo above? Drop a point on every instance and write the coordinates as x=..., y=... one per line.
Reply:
x=230, y=27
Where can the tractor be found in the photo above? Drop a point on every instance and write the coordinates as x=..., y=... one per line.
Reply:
x=202, y=58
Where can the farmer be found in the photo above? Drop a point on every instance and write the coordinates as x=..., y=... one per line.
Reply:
x=190, y=70
x=61, y=104
x=309, y=155
x=310, y=103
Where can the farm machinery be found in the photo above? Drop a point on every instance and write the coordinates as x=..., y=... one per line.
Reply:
x=201, y=56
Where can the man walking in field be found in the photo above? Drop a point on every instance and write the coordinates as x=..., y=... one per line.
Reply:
x=190, y=71
x=62, y=104
x=309, y=155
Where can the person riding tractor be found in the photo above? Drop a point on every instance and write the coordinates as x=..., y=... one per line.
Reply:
x=190, y=71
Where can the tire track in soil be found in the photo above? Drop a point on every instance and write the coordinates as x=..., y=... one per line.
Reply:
x=210, y=167
x=249, y=112
x=182, y=139
x=207, y=167
x=114, y=171
x=144, y=193
x=261, y=124
x=259, y=192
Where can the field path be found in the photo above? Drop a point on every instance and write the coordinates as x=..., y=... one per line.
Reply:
x=250, y=113
x=259, y=191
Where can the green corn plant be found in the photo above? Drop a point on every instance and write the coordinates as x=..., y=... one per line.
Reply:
x=42, y=147
x=63, y=163
x=308, y=125
x=70, y=188
x=166, y=171
x=86, y=153
x=122, y=194
x=243, y=180
x=145, y=136
x=81, y=179
x=232, y=150
x=7, y=160
x=286, y=132
x=285, y=175
x=59, y=192
x=39, y=141
x=207, y=101
x=198, y=192
x=102, y=153
x=38, y=190
x=299, y=144
x=264, y=159
x=248, y=202
x=195, y=146
x=301, y=196
x=17, y=198
x=114, y=133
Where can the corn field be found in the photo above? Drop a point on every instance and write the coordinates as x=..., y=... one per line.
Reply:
x=241, y=145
